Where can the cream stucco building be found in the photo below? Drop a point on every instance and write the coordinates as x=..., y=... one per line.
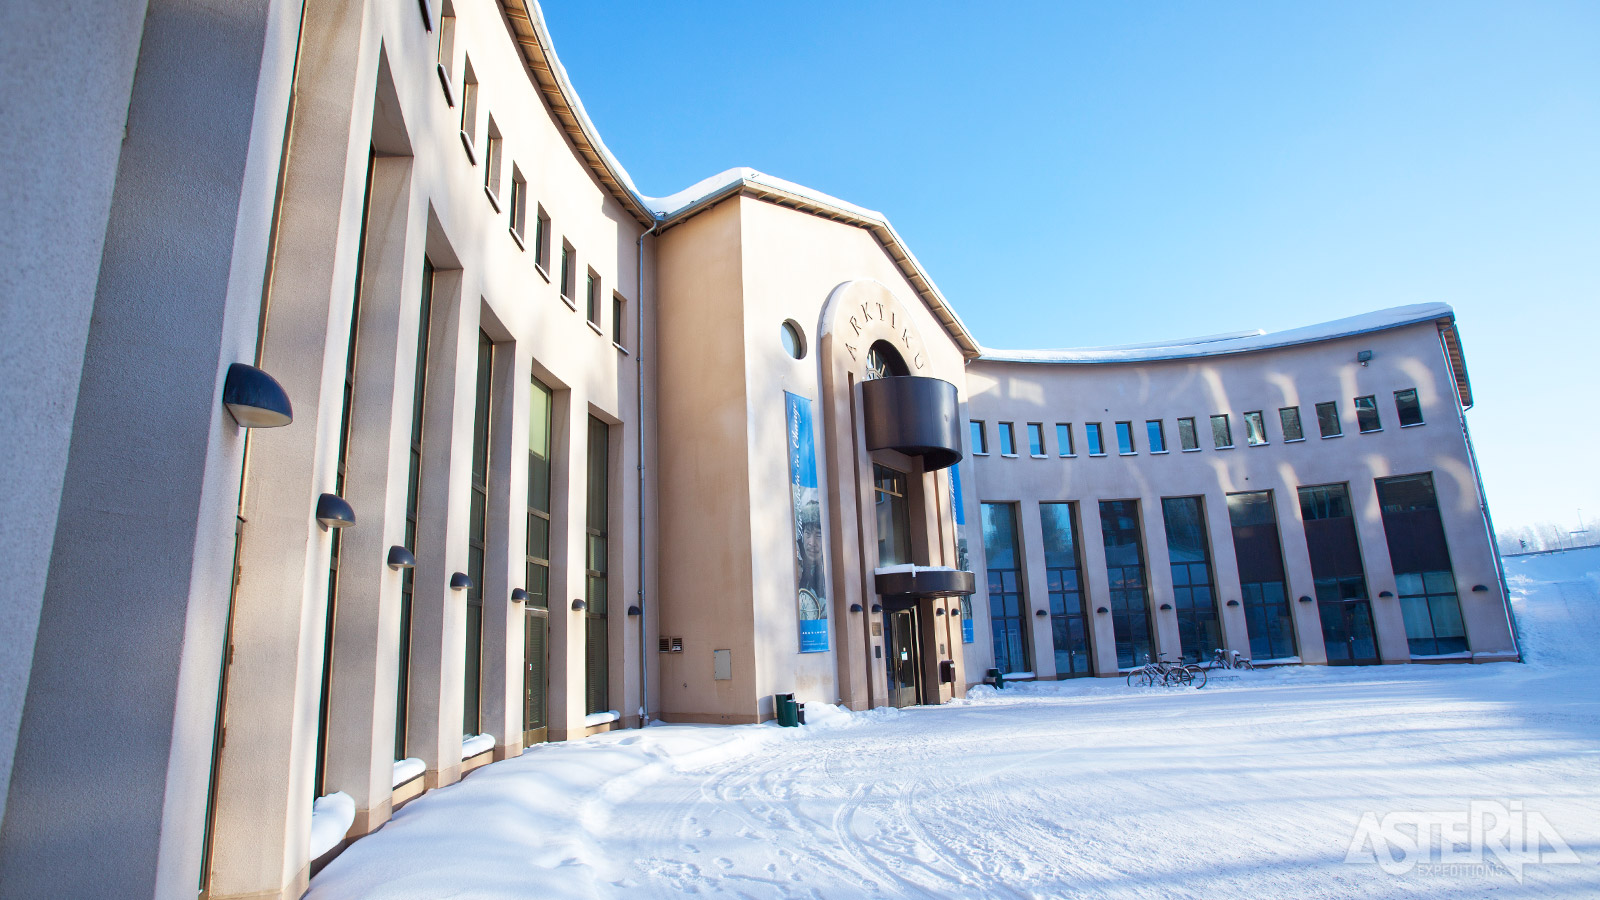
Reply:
x=367, y=425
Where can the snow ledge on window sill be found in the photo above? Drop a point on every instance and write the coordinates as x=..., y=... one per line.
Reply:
x=601, y=718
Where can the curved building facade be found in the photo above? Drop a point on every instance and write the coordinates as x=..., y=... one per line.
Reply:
x=406, y=434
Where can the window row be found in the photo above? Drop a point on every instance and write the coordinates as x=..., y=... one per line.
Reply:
x=1420, y=560
x=1407, y=408
x=517, y=195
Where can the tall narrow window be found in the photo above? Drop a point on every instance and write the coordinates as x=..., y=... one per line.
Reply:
x=1091, y=434
x=1405, y=403
x=519, y=203
x=419, y=386
x=469, y=111
x=566, y=271
x=1064, y=439
x=1341, y=582
x=536, y=573
x=1130, y=620
x=1193, y=590
x=1261, y=580
x=1008, y=440
x=617, y=307
x=341, y=463
x=1255, y=428
x=1035, y=439
x=1125, y=438
x=894, y=516
x=591, y=299
x=1007, y=612
x=477, y=533
x=1187, y=438
x=980, y=439
x=1367, y=414
x=1069, y=618
x=447, y=50
x=1328, y=419
x=491, y=163
x=1421, y=560
x=1289, y=420
x=541, y=239
x=597, y=656
x=1221, y=432
x=1155, y=435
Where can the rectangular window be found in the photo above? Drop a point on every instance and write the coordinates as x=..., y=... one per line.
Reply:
x=1064, y=439
x=477, y=536
x=1221, y=432
x=592, y=298
x=1155, y=436
x=1125, y=438
x=1091, y=434
x=1188, y=438
x=519, y=203
x=447, y=48
x=980, y=438
x=618, y=305
x=1367, y=414
x=1337, y=573
x=536, y=571
x=419, y=385
x=1069, y=618
x=1035, y=439
x=894, y=516
x=1406, y=405
x=1328, y=419
x=1424, y=579
x=1008, y=614
x=1130, y=620
x=1265, y=591
x=541, y=240
x=566, y=271
x=1193, y=591
x=597, y=649
x=1289, y=419
x=491, y=164
x=1008, y=444
x=469, y=111
x=1255, y=429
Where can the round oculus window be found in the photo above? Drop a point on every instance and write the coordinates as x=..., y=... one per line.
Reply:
x=794, y=343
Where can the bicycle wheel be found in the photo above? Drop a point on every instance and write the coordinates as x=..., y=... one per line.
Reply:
x=1245, y=663
x=1197, y=675
x=1135, y=677
x=1179, y=677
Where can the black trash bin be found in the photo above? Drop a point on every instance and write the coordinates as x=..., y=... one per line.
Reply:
x=996, y=678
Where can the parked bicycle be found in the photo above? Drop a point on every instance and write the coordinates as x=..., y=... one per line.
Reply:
x=1168, y=673
x=1230, y=659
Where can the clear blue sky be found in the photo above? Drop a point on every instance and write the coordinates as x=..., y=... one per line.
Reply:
x=1074, y=174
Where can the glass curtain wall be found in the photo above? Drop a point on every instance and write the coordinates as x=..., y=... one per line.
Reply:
x=1193, y=590
x=894, y=516
x=1006, y=608
x=597, y=657
x=408, y=576
x=1069, y=619
x=1421, y=559
x=1125, y=576
x=1261, y=579
x=1336, y=570
x=536, y=576
x=477, y=529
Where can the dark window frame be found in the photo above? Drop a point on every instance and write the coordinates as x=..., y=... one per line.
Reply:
x=1367, y=409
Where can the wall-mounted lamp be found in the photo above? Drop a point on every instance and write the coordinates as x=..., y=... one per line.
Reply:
x=955, y=612
x=254, y=398
x=1479, y=588
x=1233, y=603
x=401, y=558
x=1305, y=599
x=1166, y=606
x=1364, y=357
x=855, y=607
x=579, y=606
x=1040, y=613
x=1385, y=594
x=518, y=595
x=460, y=582
x=939, y=611
x=334, y=512
x=1102, y=611
x=635, y=610
x=876, y=608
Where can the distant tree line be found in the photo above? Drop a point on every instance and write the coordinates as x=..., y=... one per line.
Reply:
x=1545, y=536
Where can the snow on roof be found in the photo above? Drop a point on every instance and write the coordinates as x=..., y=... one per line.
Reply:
x=1237, y=342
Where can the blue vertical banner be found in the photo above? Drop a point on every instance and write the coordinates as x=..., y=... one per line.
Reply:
x=963, y=562
x=812, y=594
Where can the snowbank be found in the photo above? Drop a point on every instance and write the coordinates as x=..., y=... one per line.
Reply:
x=331, y=817
x=477, y=743
x=407, y=769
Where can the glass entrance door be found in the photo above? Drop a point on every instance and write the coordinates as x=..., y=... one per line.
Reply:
x=1347, y=632
x=904, y=663
x=535, y=677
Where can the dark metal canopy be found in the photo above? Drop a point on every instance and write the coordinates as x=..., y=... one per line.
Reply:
x=915, y=415
x=922, y=582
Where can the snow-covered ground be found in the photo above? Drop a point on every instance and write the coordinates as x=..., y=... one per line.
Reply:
x=1254, y=787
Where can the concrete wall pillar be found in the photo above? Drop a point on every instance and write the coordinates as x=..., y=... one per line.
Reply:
x=505, y=562
x=1307, y=617
x=1158, y=576
x=1036, y=589
x=1225, y=572
x=1388, y=622
x=1097, y=586
x=568, y=565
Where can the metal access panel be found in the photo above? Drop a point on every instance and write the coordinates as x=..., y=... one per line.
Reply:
x=722, y=665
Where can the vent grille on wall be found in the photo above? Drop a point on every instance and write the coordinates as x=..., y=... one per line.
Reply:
x=671, y=645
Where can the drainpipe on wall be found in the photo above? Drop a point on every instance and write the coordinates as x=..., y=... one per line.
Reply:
x=638, y=431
